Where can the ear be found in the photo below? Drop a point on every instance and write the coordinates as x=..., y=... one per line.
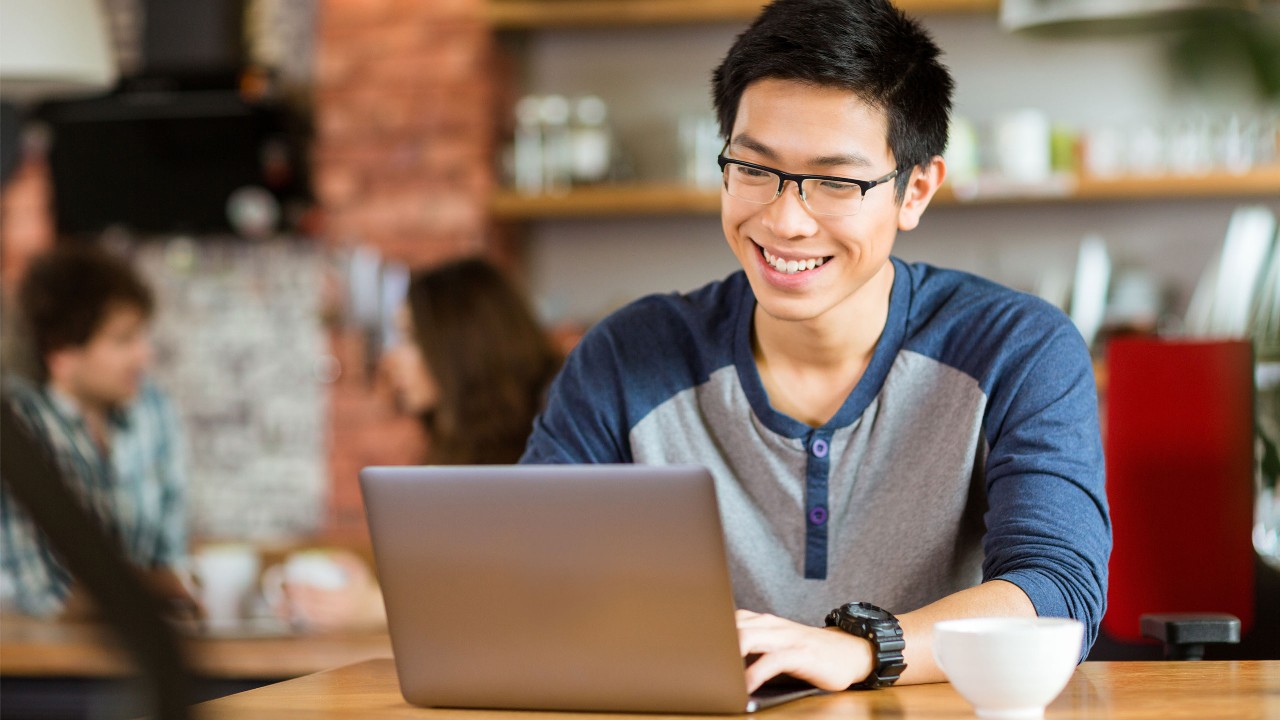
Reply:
x=924, y=182
x=61, y=363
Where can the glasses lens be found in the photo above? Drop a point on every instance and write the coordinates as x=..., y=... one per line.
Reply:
x=750, y=184
x=831, y=197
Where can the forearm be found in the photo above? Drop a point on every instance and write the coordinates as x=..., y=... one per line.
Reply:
x=994, y=598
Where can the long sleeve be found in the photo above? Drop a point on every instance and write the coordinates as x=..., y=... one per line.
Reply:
x=32, y=578
x=1048, y=525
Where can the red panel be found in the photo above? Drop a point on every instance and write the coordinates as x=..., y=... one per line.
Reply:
x=1179, y=445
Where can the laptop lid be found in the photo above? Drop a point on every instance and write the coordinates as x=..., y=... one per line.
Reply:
x=588, y=587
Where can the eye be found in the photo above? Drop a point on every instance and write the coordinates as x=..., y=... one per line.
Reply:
x=835, y=187
x=752, y=173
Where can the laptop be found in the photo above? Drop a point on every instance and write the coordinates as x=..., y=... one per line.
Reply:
x=583, y=587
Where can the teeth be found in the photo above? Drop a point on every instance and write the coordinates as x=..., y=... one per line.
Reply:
x=790, y=267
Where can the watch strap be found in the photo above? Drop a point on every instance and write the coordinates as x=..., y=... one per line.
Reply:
x=885, y=635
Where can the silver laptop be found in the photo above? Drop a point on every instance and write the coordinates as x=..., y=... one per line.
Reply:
x=586, y=587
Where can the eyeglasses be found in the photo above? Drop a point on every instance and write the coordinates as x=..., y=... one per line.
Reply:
x=821, y=194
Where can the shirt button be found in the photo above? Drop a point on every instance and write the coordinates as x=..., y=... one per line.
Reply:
x=818, y=515
x=820, y=448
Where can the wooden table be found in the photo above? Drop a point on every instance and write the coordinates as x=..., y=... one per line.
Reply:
x=34, y=648
x=1122, y=691
x=53, y=670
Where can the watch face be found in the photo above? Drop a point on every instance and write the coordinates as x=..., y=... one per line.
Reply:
x=867, y=610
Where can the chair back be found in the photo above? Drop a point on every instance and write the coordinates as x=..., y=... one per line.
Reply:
x=1179, y=424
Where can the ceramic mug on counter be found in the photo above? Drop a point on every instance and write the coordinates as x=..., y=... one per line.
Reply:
x=1009, y=668
x=227, y=575
x=317, y=572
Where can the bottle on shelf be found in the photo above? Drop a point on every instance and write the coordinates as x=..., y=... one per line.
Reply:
x=591, y=142
x=527, y=160
x=557, y=150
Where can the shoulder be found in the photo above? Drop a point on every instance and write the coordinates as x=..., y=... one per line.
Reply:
x=673, y=328
x=707, y=308
x=963, y=299
x=26, y=398
x=653, y=349
x=981, y=327
x=21, y=390
x=152, y=397
x=154, y=408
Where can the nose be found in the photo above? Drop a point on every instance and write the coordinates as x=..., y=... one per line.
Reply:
x=787, y=217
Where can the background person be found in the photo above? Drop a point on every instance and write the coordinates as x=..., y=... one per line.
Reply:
x=115, y=436
x=473, y=363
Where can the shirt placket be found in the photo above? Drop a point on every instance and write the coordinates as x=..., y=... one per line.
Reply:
x=817, y=509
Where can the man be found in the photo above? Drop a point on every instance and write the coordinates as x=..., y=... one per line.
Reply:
x=913, y=438
x=114, y=437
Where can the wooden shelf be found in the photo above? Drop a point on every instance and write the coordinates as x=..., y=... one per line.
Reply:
x=640, y=200
x=606, y=201
x=1263, y=182
x=516, y=14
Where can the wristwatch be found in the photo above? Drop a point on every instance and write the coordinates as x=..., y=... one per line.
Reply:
x=881, y=628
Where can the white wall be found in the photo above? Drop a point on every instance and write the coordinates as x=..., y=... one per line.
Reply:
x=581, y=269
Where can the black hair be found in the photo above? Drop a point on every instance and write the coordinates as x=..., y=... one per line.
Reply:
x=868, y=47
x=65, y=295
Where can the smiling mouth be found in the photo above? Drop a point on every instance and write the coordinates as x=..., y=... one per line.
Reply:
x=791, y=267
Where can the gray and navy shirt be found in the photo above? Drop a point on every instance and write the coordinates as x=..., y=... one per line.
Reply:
x=969, y=450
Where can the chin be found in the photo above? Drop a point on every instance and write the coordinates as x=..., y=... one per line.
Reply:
x=790, y=309
x=794, y=304
x=125, y=398
x=126, y=393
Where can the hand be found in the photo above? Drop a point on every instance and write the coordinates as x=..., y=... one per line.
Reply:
x=78, y=606
x=827, y=658
x=175, y=593
x=163, y=582
x=356, y=604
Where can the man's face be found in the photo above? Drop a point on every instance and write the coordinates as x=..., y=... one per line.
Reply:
x=415, y=387
x=108, y=369
x=801, y=128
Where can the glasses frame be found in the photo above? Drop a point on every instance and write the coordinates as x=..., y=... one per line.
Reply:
x=799, y=179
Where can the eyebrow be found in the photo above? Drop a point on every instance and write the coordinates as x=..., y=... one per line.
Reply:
x=747, y=142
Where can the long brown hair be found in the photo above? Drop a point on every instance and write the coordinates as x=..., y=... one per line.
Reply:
x=490, y=359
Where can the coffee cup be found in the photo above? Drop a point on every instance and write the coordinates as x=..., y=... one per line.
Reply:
x=226, y=574
x=1008, y=668
x=315, y=569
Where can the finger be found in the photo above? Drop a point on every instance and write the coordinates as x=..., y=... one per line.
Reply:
x=767, y=667
x=760, y=639
x=761, y=619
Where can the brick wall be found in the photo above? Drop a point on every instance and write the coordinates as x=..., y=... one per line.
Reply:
x=26, y=215
x=26, y=228
x=402, y=162
x=402, y=159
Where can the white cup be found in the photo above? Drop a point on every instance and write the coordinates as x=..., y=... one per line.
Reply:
x=1008, y=668
x=316, y=568
x=226, y=574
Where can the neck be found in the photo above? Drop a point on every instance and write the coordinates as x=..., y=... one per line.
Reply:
x=92, y=409
x=809, y=368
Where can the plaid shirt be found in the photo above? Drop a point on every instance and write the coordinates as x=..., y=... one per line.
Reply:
x=136, y=490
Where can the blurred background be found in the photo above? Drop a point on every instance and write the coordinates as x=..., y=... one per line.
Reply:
x=272, y=166
x=276, y=169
